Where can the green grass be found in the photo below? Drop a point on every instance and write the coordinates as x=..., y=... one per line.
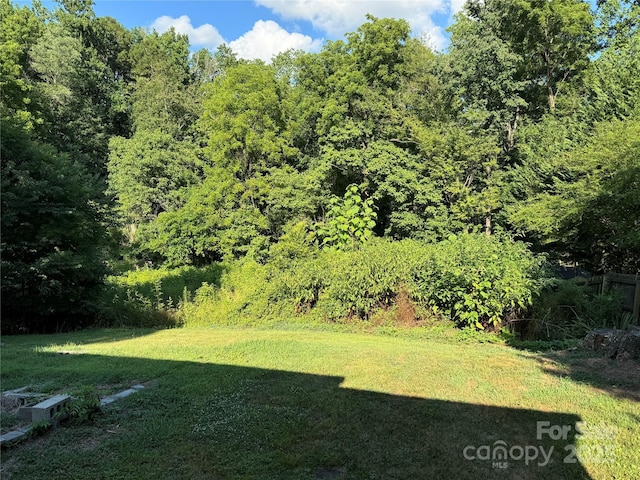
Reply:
x=291, y=403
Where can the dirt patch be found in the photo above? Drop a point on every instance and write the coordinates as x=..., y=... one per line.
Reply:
x=620, y=378
x=96, y=436
x=405, y=309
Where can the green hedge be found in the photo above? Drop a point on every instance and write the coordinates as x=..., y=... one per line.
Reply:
x=475, y=280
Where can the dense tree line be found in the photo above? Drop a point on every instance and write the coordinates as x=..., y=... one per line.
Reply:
x=122, y=143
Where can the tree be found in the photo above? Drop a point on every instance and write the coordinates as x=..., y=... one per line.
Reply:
x=78, y=76
x=613, y=80
x=589, y=210
x=20, y=29
x=206, y=67
x=378, y=49
x=53, y=238
x=423, y=91
x=217, y=221
x=243, y=120
x=555, y=39
x=484, y=73
x=165, y=96
x=148, y=174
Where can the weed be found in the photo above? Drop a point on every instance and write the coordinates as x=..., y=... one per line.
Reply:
x=84, y=407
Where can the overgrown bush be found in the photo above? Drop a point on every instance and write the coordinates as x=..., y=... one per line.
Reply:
x=126, y=306
x=474, y=280
x=566, y=310
x=241, y=297
x=478, y=281
x=151, y=298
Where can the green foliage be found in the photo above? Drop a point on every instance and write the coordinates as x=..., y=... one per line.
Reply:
x=586, y=202
x=478, y=281
x=52, y=236
x=149, y=174
x=565, y=310
x=19, y=32
x=284, y=194
x=378, y=47
x=555, y=39
x=349, y=221
x=521, y=127
x=474, y=280
x=77, y=79
x=84, y=406
x=39, y=428
x=243, y=119
x=218, y=220
x=240, y=298
x=612, y=81
x=294, y=244
x=164, y=96
x=484, y=72
x=127, y=307
x=152, y=298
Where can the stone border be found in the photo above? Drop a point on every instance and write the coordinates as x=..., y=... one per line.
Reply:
x=46, y=410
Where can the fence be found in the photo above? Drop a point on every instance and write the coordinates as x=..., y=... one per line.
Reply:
x=627, y=285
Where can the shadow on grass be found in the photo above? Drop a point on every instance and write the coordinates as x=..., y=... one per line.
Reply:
x=568, y=358
x=213, y=421
x=619, y=378
x=23, y=344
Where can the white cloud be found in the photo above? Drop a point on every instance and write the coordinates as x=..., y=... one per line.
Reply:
x=433, y=37
x=456, y=5
x=267, y=39
x=336, y=17
x=203, y=36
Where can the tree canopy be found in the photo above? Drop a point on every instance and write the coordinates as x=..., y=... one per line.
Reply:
x=125, y=144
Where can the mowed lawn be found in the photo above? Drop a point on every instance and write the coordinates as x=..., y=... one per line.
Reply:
x=231, y=403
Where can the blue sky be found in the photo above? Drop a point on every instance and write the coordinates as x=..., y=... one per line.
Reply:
x=262, y=28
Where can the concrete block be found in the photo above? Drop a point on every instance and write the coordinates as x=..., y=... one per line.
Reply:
x=17, y=399
x=24, y=413
x=45, y=411
x=15, y=390
x=14, y=436
x=118, y=396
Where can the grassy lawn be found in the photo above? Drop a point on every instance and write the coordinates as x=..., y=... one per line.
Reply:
x=232, y=403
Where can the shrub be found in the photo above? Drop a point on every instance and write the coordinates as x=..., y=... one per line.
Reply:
x=349, y=221
x=476, y=281
x=151, y=297
x=359, y=282
x=566, y=310
x=241, y=298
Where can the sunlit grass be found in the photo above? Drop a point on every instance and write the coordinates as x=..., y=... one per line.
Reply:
x=300, y=403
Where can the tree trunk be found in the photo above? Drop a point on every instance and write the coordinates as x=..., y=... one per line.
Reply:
x=487, y=218
x=511, y=132
x=487, y=223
